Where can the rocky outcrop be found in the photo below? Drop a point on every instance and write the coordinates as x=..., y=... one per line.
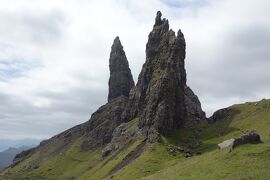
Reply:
x=221, y=114
x=193, y=106
x=124, y=134
x=121, y=80
x=159, y=96
x=102, y=123
x=21, y=156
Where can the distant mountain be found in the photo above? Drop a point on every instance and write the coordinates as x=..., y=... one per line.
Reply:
x=7, y=156
x=6, y=143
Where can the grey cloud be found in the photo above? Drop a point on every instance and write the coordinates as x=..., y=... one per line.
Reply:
x=75, y=101
x=66, y=109
x=237, y=68
x=42, y=28
x=253, y=36
x=46, y=28
x=78, y=100
x=185, y=3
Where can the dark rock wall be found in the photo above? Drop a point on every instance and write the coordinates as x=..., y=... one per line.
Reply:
x=158, y=98
x=222, y=114
x=102, y=123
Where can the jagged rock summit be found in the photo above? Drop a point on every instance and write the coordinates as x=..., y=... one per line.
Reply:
x=121, y=80
x=159, y=96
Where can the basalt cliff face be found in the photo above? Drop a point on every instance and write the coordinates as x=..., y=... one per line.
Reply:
x=160, y=102
x=161, y=98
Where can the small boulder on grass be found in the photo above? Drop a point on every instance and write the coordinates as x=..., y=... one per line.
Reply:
x=251, y=137
x=226, y=144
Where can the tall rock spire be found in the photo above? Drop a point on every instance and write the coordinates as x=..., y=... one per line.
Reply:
x=158, y=98
x=121, y=80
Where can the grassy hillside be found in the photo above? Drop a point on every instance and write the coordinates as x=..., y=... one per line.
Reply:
x=251, y=161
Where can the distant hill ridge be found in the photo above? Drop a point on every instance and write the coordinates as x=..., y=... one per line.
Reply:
x=7, y=156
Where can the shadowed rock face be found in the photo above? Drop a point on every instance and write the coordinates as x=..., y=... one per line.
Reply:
x=220, y=114
x=121, y=80
x=102, y=123
x=193, y=106
x=158, y=98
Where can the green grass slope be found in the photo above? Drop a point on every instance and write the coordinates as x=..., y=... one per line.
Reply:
x=67, y=161
x=250, y=161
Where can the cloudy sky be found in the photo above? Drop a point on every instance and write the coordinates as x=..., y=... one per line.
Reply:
x=54, y=55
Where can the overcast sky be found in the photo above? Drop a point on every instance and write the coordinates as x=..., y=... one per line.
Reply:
x=54, y=55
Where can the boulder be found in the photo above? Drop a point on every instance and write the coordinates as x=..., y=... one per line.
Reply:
x=226, y=144
x=107, y=150
x=250, y=137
